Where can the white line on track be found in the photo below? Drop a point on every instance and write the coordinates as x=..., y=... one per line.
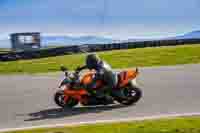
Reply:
x=101, y=121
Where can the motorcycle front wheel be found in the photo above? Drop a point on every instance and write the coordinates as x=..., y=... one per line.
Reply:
x=131, y=95
x=59, y=100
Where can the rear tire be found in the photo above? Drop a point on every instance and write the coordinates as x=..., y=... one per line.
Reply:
x=128, y=94
x=59, y=100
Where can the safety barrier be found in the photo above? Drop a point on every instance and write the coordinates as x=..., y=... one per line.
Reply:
x=12, y=56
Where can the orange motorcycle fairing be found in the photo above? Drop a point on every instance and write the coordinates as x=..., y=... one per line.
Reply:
x=81, y=94
x=76, y=94
x=126, y=76
x=88, y=79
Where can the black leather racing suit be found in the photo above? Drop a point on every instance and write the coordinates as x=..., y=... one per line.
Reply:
x=103, y=72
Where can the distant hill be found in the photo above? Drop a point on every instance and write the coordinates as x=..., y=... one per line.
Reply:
x=70, y=40
x=64, y=40
x=191, y=35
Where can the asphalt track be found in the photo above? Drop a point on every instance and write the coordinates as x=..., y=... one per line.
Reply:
x=26, y=100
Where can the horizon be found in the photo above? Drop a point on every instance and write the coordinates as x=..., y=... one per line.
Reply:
x=7, y=36
x=83, y=39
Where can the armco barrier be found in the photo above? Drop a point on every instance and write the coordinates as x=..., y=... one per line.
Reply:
x=11, y=56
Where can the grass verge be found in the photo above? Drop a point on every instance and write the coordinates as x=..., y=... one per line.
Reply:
x=175, y=125
x=158, y=56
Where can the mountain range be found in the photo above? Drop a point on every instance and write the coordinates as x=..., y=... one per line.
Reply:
x=70, y=40
x=190, y=35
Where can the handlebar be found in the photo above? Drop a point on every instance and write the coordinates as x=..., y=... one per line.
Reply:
x=65, y=70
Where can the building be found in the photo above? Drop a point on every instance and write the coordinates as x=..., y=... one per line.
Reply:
x=25, y=41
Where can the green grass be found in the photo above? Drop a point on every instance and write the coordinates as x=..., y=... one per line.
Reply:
x=159, y=56
x=175, y=125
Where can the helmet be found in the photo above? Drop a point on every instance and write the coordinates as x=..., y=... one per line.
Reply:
x=92, y=61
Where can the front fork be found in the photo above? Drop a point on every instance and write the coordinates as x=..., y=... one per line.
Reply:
x=134, y=83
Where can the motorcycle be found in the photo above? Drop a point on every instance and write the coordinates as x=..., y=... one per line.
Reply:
x=73, y=89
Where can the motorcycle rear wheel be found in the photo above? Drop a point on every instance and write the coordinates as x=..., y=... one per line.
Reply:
x=132, y=95
x=59, y=100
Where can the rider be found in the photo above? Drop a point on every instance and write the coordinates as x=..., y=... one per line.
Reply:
x=103, y=71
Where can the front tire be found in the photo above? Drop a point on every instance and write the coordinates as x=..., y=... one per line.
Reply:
x=59, y=100
x=131, y=94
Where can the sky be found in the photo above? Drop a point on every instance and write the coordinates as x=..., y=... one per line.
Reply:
x=119, y=19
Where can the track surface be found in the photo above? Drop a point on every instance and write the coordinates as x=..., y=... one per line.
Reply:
x=26, y=100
